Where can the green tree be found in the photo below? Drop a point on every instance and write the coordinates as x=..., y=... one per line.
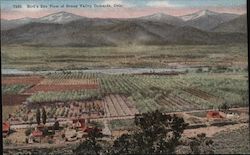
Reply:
x=44, y=116
x=56, y=125
x=224, y=107
x=92, y=144
x=157, y=134
x=38, y=116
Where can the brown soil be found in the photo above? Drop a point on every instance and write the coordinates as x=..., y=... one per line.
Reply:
x=12, y=100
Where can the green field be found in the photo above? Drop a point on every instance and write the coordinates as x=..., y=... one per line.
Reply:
x=55, y=58
x=127, y=124
x=14, y=88
x=167, y=93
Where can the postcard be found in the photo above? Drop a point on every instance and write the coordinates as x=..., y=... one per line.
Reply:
x=124, y=77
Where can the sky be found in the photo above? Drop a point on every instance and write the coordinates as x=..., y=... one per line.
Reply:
x=126, y=9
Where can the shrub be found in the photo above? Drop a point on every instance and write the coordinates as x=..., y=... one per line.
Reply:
x=224, y=107
x=7, y=141
x=28, y=131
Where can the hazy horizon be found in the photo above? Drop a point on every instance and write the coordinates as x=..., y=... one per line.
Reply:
x=120, y=17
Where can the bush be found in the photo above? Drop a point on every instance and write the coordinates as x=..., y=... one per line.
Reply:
x=7, y=141
x=224, y=107
x=50, y=141
x=199, y=70
x=56, y=125
x=28, y=131
x=25, y=118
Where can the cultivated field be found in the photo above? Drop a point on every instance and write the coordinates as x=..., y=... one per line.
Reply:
x=109, y=106
x=209, y=78
x=128, y=94
x=21, y=80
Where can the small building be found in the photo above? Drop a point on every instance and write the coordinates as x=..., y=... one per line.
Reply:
x=6, y=129
x=232, y=115
x=70, y=135
x=214, y=115
x=36, y=135
x=79, y=124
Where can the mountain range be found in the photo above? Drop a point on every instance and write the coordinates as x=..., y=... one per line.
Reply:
x=238, y=24
x=67, y=29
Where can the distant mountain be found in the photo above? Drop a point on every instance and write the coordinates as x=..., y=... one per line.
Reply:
x=10, y=24
x=238, y=24
x=198, y=15
x=66, y=29
x=206, y=20
x=59, y=18
x=113, y=32
x=161, y=17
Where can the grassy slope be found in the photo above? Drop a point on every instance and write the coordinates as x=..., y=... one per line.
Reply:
x=52, y=58
x=233, y=142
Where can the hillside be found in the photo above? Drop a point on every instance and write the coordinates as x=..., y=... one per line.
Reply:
x=113, y=33
x=236, y=25
x=66, y=29
x=206, y=20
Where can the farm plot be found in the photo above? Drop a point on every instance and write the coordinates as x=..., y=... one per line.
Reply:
x=201, y=94
x=64, y=82
x=43, y=97
x=30, y=80
x=118, y=105
x=85, y=109
x=59, y=88
x=14, y=88
x=110, y=106
x=69, y=82
x=75, y=109
x=176, y=103
x=13, y=99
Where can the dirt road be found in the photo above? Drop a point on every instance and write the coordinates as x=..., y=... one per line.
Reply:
x=108, y=118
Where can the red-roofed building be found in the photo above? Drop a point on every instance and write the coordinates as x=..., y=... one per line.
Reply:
x=6, y=129
x=37, y=133
x=214, y=115
x=79, y=124
x=35, y=136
